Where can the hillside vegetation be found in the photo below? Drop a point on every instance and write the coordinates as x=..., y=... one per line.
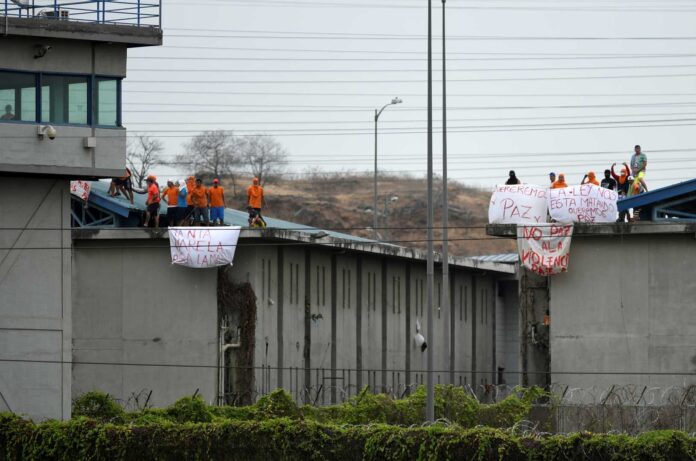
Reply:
x=343, y=202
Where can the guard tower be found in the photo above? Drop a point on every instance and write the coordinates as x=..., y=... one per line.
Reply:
x=62, y=63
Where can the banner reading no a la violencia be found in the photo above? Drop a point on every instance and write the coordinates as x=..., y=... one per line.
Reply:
x=545, y=249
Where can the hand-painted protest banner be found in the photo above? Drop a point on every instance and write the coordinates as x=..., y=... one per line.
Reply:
x=80, y=189
x=518, y=204
x=587, y=203
x=201, y=247
x=545, y=249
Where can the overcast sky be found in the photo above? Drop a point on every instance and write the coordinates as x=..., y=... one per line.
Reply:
x=311, y=73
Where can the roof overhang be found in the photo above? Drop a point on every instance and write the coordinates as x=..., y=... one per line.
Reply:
x=623, y=229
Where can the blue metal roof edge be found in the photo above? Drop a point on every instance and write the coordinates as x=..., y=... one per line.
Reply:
x=664, y=193
x=109, y=205
x=233, y=217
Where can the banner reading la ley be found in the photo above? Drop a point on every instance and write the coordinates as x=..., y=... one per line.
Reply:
x=518, y=204
x=545, y=249
x=586, y=203
x=201, y=247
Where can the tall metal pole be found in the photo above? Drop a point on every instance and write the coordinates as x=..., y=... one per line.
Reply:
x=446, y=306
x=430, y=267
x=374, y=201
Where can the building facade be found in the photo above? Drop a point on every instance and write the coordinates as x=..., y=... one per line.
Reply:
x=60, y=96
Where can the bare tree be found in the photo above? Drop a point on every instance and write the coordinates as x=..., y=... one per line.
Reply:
x=212, y=152
x=264, y=156
x=142, y=155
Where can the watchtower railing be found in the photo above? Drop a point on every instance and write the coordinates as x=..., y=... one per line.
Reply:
x=139, y=13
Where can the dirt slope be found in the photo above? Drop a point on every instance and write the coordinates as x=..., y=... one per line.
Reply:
x=344, y=203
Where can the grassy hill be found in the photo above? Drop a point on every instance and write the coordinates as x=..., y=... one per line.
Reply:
x=344, y=203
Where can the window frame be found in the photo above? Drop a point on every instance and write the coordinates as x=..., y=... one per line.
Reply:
x=91, y=80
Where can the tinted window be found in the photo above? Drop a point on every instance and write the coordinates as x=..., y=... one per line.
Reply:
x=17, y=97
x=106, y=102
x=64, y=99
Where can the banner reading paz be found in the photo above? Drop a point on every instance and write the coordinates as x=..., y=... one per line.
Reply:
x=518, y=204
x=201, y=247
x=545, y=249
x=586, y=203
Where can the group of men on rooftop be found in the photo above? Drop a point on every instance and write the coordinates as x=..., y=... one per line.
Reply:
x=630, y=181
x=189, y=202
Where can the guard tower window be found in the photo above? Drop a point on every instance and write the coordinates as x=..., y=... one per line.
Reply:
x=106, y=102
x=64, y=99
x=17, y=97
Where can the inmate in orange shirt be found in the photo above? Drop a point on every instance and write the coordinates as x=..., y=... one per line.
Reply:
x=190, y=185
x=255, y=195
x=172, y=194
x=153, y=195
x=199, y=197
x=216, y=196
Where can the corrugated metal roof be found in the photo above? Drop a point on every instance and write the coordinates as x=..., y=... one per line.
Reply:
x=503, y=258
x=658, y=195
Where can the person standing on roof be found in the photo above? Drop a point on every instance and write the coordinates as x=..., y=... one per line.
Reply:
x=199, y=199
x=608, y=182
x=639, y=164
x=623, y=184
x=552, y=177
x=560, y=182
x=217, y=203
x=255, y=200
x=190, y=184
x=181, y=203
x=590, y=178
x=171, y=193
x=152, y=201
x=512, y=179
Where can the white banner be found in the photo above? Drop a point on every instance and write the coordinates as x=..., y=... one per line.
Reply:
x=545, y=249
x=586, y=203
x=519, y=204
x=202, y=247
x=80, y=189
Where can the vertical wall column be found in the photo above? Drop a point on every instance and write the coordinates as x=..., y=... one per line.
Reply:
x=307, y=327
x=280, y=284
x=384, y=324
x=535, y=355
x=358, y=323
x=474, y=299
x=334, y=301
x=409, y=330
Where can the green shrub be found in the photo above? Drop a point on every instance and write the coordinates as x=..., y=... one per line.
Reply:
x=277, y=404
x=97, y=405
x=190, y=410
x=292, y=439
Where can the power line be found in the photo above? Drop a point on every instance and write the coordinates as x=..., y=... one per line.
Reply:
x=410, y=95
x=392, y=81
x=271, y=108
x=343, y=123
x=308, y=4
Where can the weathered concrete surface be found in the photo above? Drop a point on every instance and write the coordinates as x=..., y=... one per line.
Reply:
x=73, y=30
x=22, y=151
x=35, y=297
x=626, y=305
x=132, y=306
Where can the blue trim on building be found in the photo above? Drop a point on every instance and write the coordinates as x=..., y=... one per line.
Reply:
x=658, y=195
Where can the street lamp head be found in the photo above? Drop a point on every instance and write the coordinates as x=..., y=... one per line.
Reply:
x=396, y=101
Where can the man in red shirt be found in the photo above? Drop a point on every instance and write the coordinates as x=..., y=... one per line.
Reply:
x=152, y=202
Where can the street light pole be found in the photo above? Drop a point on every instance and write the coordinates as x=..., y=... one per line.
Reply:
x=375, y=222
x=446, y=305
x=430, y=266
